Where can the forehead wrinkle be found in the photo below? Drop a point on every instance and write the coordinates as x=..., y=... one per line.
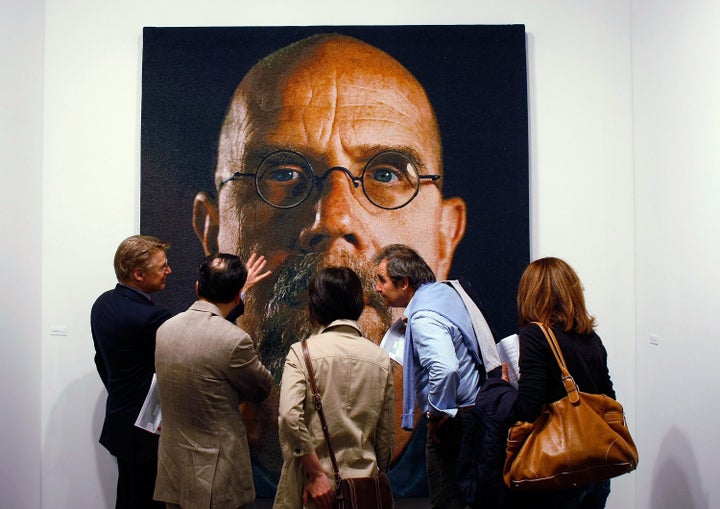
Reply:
x=400, y=99
x=327, y=100
x=364, y=108
x=397, y=97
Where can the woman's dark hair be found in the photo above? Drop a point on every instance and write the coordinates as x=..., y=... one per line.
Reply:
x=221, y=276
x=335, y=293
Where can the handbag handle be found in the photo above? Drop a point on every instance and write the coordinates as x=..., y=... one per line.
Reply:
x=318, y=405
x=568, y=381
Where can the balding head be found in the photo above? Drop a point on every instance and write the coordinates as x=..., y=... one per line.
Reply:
x=330, y=85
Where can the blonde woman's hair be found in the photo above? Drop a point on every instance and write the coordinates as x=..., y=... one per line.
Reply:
x=550, y=292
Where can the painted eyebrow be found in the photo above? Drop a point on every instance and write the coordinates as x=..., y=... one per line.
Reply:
x=258, y=151
x=410, y=152
x=254, y=155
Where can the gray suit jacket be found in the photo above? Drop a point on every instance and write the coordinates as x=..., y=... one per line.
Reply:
x=206, y=366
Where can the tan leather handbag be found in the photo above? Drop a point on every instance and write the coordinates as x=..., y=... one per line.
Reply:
x=580, y=439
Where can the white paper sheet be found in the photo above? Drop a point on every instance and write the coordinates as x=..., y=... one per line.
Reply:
x=150, y=416
x=509, y=351
x=393, y=341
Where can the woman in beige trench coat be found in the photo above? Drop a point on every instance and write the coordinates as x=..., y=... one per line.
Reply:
x=354, y=378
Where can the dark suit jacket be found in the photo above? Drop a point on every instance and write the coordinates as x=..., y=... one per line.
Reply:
x=123, y=324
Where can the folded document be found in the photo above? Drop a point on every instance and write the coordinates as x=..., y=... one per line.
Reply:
x=150, y=416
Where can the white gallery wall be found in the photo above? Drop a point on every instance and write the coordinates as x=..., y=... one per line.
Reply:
x=624, y=102
x=676, y=103
x=21, y=137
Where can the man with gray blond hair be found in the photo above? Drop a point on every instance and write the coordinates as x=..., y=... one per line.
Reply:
x=123, y=322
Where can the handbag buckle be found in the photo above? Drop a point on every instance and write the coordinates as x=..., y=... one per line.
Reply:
x=571, y=388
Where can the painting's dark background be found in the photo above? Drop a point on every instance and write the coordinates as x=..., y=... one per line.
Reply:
x=474, y=75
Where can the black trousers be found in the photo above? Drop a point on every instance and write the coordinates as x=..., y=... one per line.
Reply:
x=592, y=496
x=136, y=483
x=441, y=463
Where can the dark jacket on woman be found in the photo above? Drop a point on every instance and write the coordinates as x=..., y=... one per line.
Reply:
x=540, y=379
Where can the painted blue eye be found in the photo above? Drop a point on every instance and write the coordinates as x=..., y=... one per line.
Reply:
x=383, y=175
x=281, y=175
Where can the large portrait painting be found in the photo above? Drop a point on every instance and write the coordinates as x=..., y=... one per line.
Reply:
x=316, y=146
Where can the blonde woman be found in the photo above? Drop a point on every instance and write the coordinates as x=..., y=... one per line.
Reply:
x=550, y=292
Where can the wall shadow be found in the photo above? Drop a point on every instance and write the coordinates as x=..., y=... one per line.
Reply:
x=77, y=470
x=676, y=479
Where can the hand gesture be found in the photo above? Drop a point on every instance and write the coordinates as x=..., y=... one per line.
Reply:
x=255, y=266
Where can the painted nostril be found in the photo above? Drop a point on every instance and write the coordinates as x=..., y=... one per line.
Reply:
x=318, y=239
x=315, y=240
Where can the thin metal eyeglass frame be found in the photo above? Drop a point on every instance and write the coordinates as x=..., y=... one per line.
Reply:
x=317, y=181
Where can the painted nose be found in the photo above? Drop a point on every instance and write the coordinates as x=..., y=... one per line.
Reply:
x=338, y=215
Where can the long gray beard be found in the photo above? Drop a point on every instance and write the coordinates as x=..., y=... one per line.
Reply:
x=285, y=318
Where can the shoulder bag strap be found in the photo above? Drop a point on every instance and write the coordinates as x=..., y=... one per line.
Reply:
x=570, y=386
x=318, y=405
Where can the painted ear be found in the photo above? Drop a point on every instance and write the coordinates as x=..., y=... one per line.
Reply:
x=453, y=220
x=205, y=222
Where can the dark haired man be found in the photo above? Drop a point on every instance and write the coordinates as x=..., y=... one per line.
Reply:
x=206, y=366
x=442, y=368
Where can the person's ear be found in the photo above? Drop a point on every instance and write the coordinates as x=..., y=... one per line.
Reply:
x=205, y=222
x=138, y=275
x=453, y=220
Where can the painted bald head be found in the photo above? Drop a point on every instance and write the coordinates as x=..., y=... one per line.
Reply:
x=354, y=83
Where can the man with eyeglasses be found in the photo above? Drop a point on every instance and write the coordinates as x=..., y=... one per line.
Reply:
x=329, y=150
x=123, y=322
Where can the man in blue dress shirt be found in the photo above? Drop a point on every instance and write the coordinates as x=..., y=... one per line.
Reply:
x=442, y=371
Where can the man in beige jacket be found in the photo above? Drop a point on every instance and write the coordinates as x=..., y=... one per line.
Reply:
x=206, y=367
